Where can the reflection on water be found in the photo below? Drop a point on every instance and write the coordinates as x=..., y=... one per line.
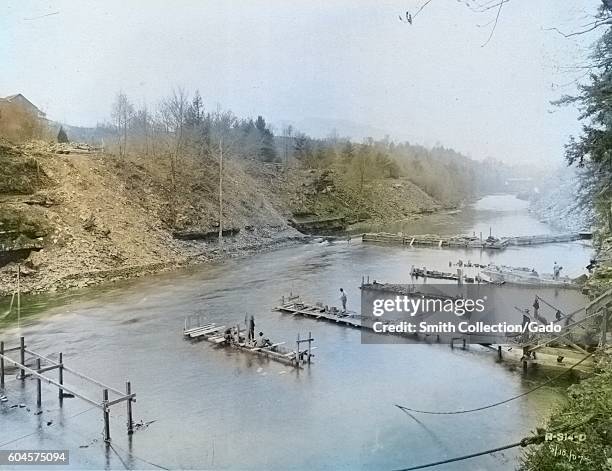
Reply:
x=218, y=408
x=499, y=215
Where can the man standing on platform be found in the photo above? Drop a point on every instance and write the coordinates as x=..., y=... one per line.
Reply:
x=251, y=332
x=343, y=299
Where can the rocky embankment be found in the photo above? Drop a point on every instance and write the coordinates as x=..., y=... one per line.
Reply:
x=74, y=219
x=71, y=216
x=561, y=202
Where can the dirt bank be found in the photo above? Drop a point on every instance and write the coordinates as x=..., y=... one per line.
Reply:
x=72, y=218
x=95, y=218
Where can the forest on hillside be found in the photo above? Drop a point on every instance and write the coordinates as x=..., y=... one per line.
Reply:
x=181, y=129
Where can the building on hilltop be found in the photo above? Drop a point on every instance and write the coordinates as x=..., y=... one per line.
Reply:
x=19, y=100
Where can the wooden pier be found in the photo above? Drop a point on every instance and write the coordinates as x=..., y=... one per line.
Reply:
x=295, y=306
x=64, y=390
x=471, y=242
x=551, y=351
x=197, y=328
x=459, y=277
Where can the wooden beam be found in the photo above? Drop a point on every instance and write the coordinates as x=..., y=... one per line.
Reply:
x=55, y=383
x=130, y=397
x=600, y=302
x=76, y=373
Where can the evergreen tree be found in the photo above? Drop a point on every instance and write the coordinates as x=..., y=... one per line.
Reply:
x=62, y=137
x=267, y=150
x=592, y=150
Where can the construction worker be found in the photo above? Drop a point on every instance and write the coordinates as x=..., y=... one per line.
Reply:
x=343, y=299
x=261, y=341
x=251, y=332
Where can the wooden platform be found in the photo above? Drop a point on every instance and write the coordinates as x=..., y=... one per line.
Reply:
x=547, y=359
x=440, y=275
x=296, y=307
x=464, y=241
x=215, y=334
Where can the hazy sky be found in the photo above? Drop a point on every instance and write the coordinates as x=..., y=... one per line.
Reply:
x=349, y=65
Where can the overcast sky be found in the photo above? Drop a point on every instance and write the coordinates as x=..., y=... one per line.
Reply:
x=349, y=65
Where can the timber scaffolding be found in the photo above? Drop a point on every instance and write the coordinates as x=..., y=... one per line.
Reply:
x=566, y=349
x=557, y=351
x=473, y=242
x=197, y=328
x=65, y=391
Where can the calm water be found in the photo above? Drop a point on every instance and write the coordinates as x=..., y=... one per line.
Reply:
x=215, y=408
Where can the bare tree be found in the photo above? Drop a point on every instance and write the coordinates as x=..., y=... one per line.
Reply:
x=122, y=112
x=173, y=111
x=222, y=134
x=287, y=137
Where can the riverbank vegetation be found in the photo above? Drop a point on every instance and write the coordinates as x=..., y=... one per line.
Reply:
x=182, y=129
x=591, y=151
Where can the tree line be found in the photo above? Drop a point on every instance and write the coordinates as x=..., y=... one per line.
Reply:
x=180, y=127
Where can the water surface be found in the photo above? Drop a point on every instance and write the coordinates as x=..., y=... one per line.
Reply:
x=215, y=408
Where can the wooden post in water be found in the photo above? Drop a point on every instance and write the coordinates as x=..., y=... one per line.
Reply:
x=22, y=358
x=2, y=365
x=221, y=191
x=464, y=343
x=60, y=392
x=130, y=422
x=499, y=352
x=38, y=385
x=19, y=297
x=309, y=343
x=107, y=437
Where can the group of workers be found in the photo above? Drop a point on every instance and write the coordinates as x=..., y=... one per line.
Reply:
x=232, y=335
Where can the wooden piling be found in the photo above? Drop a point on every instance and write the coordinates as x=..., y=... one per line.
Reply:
x=19, y=296
x=22, y=357
x=60, y=392
x=464, y=343
x=2, y=365
x=604, y=328
x=38, y=385
x=309, y=342
x=130, y=422
x=106, y=413
x=499, y=352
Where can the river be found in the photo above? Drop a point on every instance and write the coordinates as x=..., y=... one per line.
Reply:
x=215, y=408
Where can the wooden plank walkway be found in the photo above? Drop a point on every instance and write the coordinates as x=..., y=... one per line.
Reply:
x=465, y=241
x=298, y=308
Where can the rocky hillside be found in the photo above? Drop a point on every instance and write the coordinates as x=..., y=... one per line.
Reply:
x=72, y=216
x=561, y=202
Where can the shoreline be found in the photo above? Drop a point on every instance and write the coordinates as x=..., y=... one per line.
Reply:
x=85, y=279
